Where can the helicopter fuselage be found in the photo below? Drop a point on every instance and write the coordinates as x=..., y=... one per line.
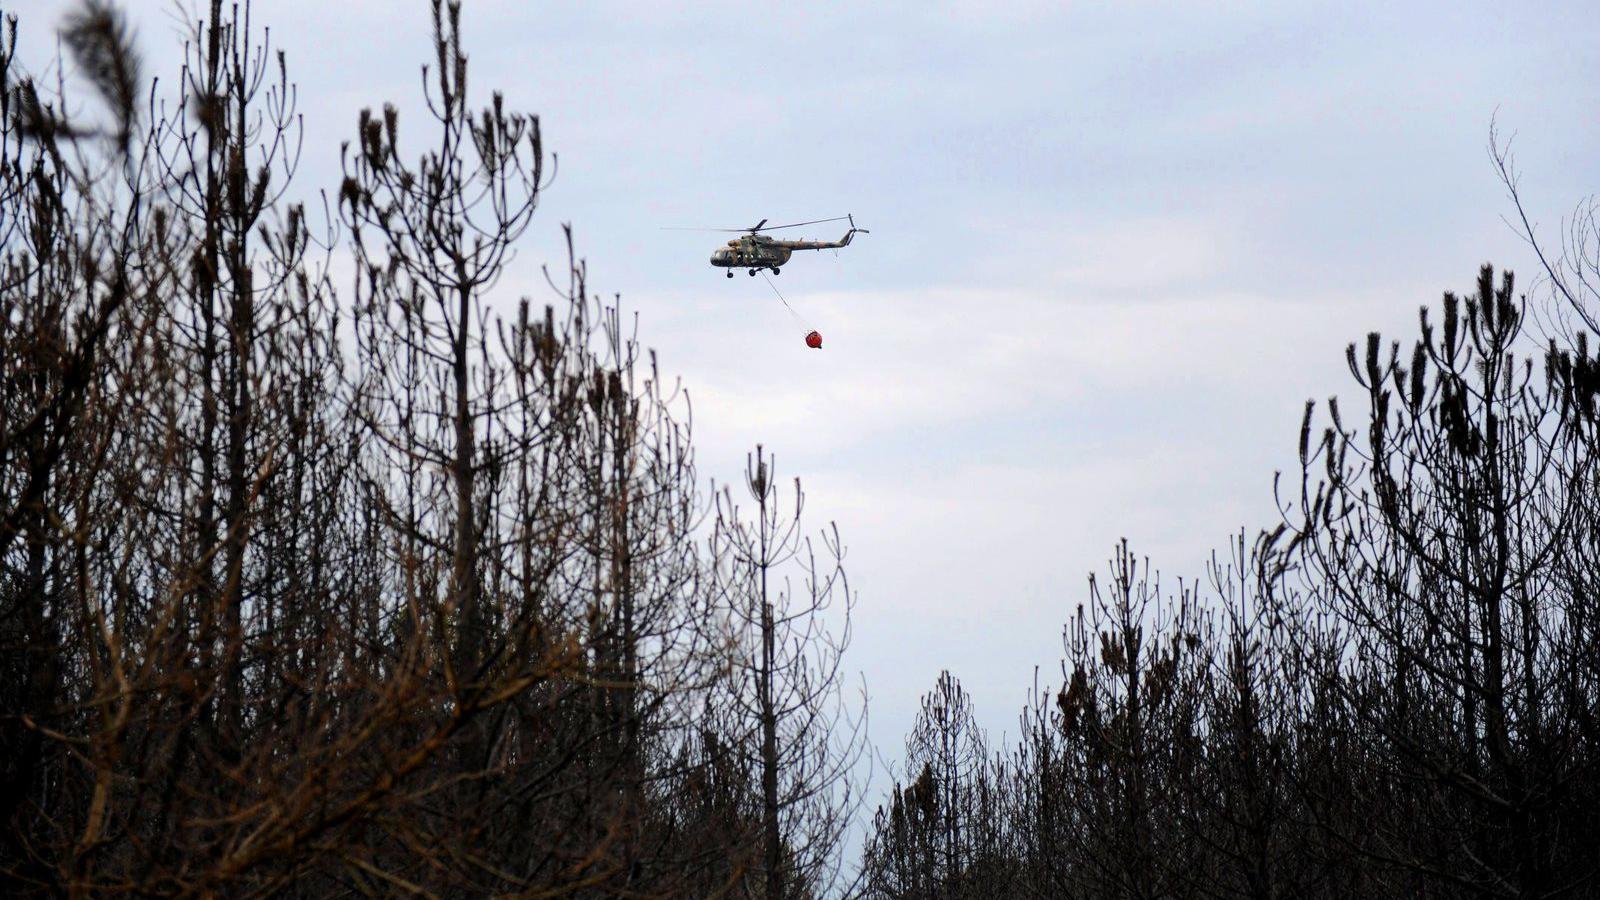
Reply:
x=757, y=251
x=748, y=252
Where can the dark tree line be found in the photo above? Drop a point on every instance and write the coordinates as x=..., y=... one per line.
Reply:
x=316, y=578
x=1393, y=693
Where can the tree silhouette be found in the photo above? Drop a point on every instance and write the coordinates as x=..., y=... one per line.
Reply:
x=369, y=592
x=785, y=698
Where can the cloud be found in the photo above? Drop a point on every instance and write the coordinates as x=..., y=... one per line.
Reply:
x=954, y=358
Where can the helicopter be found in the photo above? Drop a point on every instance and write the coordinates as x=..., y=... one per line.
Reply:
x=756, y=251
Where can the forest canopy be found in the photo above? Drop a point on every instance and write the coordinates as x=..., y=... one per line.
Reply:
x=324, y=580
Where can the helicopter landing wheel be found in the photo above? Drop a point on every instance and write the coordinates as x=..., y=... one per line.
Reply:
x=776, y=271
x=730, y=274
x=752, y=273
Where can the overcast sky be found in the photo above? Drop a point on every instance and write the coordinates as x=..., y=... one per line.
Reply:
x=1114, y=249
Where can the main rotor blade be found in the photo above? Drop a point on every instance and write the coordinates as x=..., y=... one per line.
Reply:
x=798, y=224
x=759, y=226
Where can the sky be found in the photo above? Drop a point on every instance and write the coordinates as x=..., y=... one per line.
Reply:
x=1115, y=248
